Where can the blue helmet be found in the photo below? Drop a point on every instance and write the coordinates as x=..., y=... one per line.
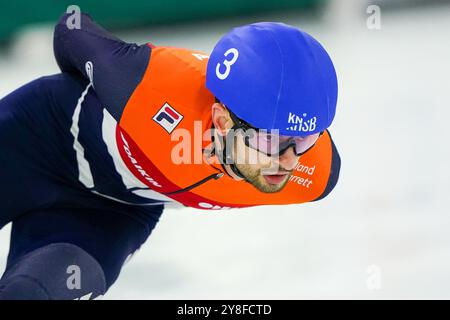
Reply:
x=274, y=76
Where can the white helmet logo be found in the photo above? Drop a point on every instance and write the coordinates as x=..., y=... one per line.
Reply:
x=227, y=63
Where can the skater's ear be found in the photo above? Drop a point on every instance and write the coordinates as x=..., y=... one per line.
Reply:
x=221, y=118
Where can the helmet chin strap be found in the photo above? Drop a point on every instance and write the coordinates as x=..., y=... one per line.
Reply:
x=234, y=172
x=226, y=159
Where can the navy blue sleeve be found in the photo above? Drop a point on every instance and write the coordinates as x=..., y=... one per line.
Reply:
x=117, y=66
x=334, y=172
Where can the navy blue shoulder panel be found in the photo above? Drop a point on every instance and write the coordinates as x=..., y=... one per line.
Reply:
x=118, y=66
x=334, y=172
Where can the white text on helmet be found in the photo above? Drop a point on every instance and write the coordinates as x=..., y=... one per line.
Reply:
x=300, y=123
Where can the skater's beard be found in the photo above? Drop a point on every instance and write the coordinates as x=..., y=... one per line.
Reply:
x=254, y=173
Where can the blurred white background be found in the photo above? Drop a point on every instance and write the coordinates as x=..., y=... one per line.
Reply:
x=385, y=230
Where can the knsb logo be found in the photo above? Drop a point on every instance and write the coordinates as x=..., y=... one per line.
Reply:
x=168, y=118
x=301, y=123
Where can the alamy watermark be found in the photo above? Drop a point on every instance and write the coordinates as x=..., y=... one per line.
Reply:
x=73, y=21
x=374, y=277
x=73, y=281
x=228, y=148
x=374, y=20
